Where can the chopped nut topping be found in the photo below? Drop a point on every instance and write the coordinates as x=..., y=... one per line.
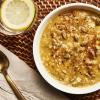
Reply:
x=70, y=48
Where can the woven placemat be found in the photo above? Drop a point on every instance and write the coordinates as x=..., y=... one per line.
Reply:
x=21, y=44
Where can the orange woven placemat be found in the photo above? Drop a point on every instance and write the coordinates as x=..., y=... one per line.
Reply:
x=21, y=44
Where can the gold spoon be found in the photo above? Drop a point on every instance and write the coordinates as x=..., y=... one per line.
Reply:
x=4, y=64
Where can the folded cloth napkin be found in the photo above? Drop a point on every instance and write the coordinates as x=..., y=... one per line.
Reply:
x=30, y=83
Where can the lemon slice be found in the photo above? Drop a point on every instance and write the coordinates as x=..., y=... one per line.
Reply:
x=17, y=14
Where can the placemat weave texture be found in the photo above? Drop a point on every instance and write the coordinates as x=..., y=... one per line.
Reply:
x=21, y=44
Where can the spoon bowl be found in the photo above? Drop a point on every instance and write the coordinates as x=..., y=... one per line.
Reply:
x=4, y=62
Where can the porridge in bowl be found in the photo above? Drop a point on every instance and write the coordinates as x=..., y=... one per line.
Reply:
x=70, y=48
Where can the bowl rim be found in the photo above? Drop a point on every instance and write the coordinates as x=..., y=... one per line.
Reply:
x=44, y=73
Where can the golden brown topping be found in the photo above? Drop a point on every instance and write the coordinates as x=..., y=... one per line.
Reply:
x=70, y=47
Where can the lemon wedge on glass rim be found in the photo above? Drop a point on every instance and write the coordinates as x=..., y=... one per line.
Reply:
x=17, y=14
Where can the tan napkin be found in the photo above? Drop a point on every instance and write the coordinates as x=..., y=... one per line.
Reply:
x=29, y=82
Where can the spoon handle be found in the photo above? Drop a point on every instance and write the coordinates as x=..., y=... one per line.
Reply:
x=14, y=87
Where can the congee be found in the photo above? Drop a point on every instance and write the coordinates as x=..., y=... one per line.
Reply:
x=70, y=47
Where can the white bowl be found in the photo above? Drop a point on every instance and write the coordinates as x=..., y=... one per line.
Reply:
x=36, y=53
